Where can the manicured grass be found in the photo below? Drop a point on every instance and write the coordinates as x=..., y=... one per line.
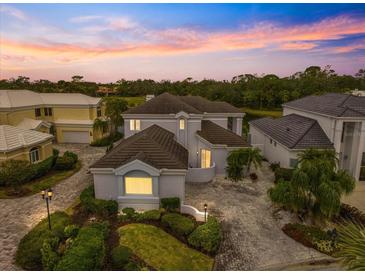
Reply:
x=47, y=181
x=134, y=101
x=263, y=113
x=161, y=250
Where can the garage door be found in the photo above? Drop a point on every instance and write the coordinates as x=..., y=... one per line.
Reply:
x=79, y=137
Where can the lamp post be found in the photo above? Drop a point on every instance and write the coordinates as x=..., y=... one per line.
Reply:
x=205, y=212
x=47, y=195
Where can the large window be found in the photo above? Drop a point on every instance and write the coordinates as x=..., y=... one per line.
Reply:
x=182, y=124
x=37, y=112
x=135, y=125
x=205, y=158
x=34, y=155
x=98, y=111
x=293, y=162
x=48, y=111
x=138, y=185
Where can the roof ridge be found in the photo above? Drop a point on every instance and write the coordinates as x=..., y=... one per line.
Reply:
x=305, y=133
x=183, y=102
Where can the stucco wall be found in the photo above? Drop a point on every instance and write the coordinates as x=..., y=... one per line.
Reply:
x=172, y=186
x=45, y=149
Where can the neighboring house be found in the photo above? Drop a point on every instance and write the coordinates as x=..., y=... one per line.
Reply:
x=328, y=121
x=169, y=140
x=69, y=116
x=24, y=144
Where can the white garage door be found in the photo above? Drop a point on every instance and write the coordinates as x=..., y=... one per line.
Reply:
x=79, y=137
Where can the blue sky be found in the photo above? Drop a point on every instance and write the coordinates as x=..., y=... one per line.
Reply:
x=106, y=42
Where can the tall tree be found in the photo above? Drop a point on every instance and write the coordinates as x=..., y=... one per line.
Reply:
x=114, y=107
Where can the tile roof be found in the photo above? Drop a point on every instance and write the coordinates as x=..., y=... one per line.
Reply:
x=12, y=138
x=28, y=123
x=333, y=104
x=154, y=145
x=24, y=98
x=217, y=135
x=294, y=131
x=167, y=103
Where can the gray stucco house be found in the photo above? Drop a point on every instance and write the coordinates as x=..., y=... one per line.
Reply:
x=330, y=121
x=168, y=140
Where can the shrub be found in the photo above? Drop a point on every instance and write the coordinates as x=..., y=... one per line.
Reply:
x=50, y=257
x=274, y=166
x=71, y=155
x=170, y=204
x=42, y=168
x=150, y=215
x=87, y=251
x=29, y=255
x=207, y=237
x=350, y=213
x=131, y=266
x=129, y=212
x=71, y=231
x=120, y=257
x=108, y=140
x=179, y=224
x=98, y=206
x=15, y=172
x=64, y=163
x=283, y=173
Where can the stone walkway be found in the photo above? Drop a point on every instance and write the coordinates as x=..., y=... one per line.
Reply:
x=19, y=215
x=253, y=238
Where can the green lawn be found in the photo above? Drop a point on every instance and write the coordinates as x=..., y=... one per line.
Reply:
x=47, y=181
x=161, y=250
x=263, y=113
x=134, y=101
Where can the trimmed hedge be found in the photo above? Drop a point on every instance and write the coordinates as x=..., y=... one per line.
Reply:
x=71, y=231
x=207, y=237
x=283, y=173
x=88, y=251
x=178, y=223
x=121, y=256
x=29, y=254
x=170, y=204
x=97, y=206
x=108, y=140
x=67, y=161
x=150, y=215
x=72, y=155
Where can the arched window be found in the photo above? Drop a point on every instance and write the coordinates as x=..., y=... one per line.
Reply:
x=34, y=155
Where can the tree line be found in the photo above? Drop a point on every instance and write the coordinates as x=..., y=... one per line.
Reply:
x=250, y=90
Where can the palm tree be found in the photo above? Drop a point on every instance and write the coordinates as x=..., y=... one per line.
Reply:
x=316, y=186
x=253, y=157
x=351, y=246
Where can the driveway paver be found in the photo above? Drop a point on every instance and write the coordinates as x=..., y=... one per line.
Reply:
x=19, y=215
x=253, y=238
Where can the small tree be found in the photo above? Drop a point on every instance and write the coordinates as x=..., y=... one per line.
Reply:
x=240, y=158
x=114, y=108
x=100, y=125
x=316, y=187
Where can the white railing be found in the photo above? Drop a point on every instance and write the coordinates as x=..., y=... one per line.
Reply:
x=200, y=175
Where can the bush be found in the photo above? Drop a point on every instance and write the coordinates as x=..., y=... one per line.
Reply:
x=170, y=204
x=129, y=212
x=71, y=231
x=72, y=155
x=207, y=237
x=179, y=224
x=274, y=166
x=108, y=140
x=64, y=163
x=120, y=257
x=29, y=254
x=150, y=215
x=283, y=173
x=42, y=168
x=50, y=257
x=350, y=213
x=87, y=251
x=100, y=207
x=15, y=173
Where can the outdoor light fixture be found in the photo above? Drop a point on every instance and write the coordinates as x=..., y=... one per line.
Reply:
x=205, y=212
x=47, y=195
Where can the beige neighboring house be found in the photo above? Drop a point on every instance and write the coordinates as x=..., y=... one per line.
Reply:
x=68, y=116
x=24, y=144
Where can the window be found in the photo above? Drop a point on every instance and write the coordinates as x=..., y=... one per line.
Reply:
x=34, y=155
x=48, y=111
x=205, y=158
x=293, y=162
x=37, y=112
x=135, y=125
x=230, y=123
x=182, y=124
x=138, y=185
x=98, y=111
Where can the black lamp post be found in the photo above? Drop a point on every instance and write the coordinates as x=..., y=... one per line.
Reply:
x=47, y=195
x=205, y=212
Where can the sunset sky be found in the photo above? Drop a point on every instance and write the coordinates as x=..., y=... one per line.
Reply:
x=107, y=42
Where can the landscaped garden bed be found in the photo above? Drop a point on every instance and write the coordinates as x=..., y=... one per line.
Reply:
x=93, y=236
x=20, y=178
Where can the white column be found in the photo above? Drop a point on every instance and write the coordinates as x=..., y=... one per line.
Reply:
x=239, y=126
x=361, y=149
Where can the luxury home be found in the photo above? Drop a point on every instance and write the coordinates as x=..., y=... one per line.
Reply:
x=169, y=140
x=330, y=121
x=68, y=116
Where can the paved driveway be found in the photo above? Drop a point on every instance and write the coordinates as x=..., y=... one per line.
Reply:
x=253, y=238
x=19, y=215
